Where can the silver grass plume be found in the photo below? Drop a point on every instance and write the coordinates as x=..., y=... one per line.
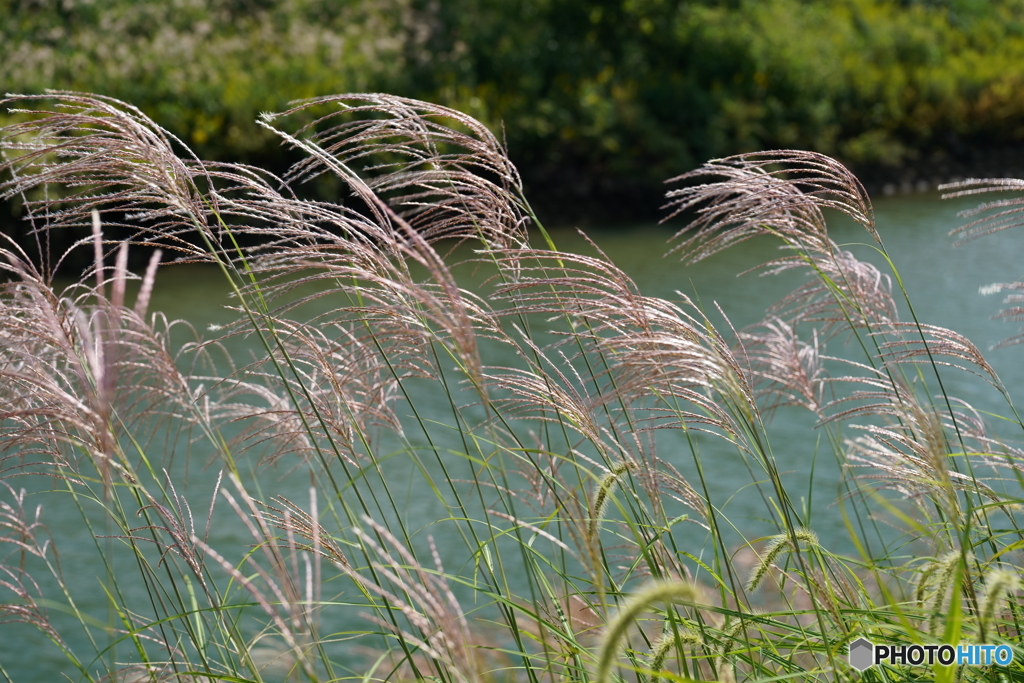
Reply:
x=910, y=342
x=780, y=193
x=21, y=535
x=844, y=291
x=110, y=157
x=991, y=217
x=789, y=370
x=293, y=520
x=913, y=453
x=784, y=194
x=424, y=597
x=72, y=360
x=658, y=349
x=443, y=171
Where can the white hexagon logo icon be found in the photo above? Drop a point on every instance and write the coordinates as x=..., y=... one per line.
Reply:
x=862, y=654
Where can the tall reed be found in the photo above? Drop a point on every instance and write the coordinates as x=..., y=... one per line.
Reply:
x=577, y=545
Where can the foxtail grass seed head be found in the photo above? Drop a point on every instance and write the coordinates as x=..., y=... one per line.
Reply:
x=934, y=585
x=664, y=645
x=776, y=546
x=602, y=493
x=669, y=592
x=998, y=584
x=729, y=633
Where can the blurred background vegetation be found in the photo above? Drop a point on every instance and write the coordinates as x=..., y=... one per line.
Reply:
x=599, y=101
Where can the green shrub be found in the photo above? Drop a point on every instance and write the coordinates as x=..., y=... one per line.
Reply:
x=596, y=99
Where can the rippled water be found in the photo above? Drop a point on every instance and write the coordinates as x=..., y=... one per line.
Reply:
x=943, y=284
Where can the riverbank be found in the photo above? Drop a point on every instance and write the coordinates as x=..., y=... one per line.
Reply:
x=596, y=103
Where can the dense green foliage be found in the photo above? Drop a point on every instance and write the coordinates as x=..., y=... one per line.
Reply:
x=206, y=70
x=596, y=98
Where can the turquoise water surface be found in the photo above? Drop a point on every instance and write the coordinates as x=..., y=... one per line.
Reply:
x=942, y=282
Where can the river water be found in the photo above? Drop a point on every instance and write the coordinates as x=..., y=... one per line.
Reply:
x=943, y=283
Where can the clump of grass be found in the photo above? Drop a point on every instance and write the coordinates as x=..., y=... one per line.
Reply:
x=520, y=409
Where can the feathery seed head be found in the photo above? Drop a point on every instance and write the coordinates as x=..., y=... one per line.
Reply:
x=999, y=583
x=661, y=591
x=776, y=546
x=600, y=502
